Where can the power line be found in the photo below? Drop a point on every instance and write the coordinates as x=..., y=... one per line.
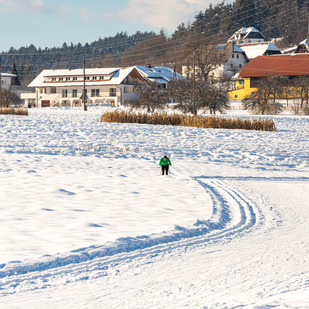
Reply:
x=168, y=44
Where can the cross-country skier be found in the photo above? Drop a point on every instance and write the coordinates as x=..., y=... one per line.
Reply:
x=165, y=162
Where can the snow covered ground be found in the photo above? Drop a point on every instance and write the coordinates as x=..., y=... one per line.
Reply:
x=87, y=221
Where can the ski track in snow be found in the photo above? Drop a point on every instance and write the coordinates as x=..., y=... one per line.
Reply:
x=233, y=216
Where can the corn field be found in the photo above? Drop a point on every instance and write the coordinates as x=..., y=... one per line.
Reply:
x=13, y=111
x=260, y=124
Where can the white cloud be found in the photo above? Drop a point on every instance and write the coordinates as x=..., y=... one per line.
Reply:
x=84, y=14
x=65, y=11
x=166, y=14
x=25, y=6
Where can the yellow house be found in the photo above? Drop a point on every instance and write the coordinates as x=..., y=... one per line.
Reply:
x=242, y=89
x=289, y=66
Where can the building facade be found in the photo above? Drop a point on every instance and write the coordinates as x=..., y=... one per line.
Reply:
x=291, y=67
x=113, y=86
x=6, y=80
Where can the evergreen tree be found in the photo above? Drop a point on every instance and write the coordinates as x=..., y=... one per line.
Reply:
x=15, y=80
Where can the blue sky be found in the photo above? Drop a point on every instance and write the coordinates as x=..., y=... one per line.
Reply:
x=50, y=23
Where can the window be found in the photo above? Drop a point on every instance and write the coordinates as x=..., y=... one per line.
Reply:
x=87, y=77
x=240, y=66
x=75, y=78
x=94, y=78
x=112, y=92
x=235, y=96
x=68, y=79
x=237, y=56
x=101, y=77
x=64, y=93
x=241, y=82
x=60, y=79
x=54, y=79
x=125, y=89
x=95, y=92
x=232, y=55
x=74, y=93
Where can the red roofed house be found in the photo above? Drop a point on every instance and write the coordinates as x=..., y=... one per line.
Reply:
x=290, y=66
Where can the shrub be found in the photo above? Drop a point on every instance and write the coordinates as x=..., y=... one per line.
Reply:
x=13, y=111
x=188, y=120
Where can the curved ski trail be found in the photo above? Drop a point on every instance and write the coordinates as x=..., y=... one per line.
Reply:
x=233, y=216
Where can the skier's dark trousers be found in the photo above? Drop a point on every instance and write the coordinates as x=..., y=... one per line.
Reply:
x=165, y=162
x=164, y=168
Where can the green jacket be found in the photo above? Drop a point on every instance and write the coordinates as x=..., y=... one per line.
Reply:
x=165, y=162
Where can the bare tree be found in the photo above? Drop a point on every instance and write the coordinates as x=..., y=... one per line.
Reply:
x=212, y=97
x=207, y=96
x=203, y=59
x=9, y=98
x=264, y=101
x=181, y=91
x=302, y=85
x=207, y=59
x=149, y=95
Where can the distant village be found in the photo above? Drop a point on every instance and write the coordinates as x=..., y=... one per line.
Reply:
x=246, y=64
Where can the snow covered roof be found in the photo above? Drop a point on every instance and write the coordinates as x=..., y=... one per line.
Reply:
x=305, y=42
x=159, y=74
x=289, y=50
x=8, y=75
x=253, y=50
x=246, y=33
x=235, y=48
x=112, y=76
x=100, y=76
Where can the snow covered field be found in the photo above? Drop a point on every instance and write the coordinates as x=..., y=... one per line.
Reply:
x=88, y=222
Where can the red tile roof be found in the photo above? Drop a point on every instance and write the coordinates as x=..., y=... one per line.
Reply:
x=284, y=65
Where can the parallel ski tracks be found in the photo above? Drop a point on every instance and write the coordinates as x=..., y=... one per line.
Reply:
x=233, y=216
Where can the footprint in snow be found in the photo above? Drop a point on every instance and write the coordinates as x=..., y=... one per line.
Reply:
x=66, y=192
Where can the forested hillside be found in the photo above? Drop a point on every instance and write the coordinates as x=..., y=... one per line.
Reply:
x=286, y=19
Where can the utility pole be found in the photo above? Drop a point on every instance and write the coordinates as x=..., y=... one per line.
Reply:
x=84, y=89
x=193, y=85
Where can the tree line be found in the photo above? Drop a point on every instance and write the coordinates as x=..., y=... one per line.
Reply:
x=286, y=19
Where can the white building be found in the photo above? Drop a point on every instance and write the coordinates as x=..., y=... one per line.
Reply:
x=6, y=80
x=247, y=35
x=234, y=60
x=113, y=86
